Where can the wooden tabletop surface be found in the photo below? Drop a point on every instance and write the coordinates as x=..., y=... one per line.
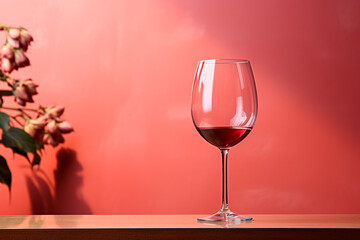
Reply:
x=269, y=221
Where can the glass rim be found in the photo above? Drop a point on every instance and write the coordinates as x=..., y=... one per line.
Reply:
x=224, y=60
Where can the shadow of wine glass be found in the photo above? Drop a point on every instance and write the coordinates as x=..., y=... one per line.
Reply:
x=68, y=183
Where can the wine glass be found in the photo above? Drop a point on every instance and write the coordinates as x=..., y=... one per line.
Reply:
x=223, y=110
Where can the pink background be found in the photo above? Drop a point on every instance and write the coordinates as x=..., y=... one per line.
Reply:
x=124, y=71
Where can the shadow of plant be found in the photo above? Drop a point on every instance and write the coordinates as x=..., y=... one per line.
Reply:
x=65, y=196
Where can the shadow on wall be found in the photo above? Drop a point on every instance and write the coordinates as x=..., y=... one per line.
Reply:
x=66, y=197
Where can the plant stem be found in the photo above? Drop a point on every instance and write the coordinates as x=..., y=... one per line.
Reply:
x=6, y=93
x=19, y=115
x=21, y=109
x=14, y=118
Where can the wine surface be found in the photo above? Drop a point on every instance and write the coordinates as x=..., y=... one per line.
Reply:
x=223, y=137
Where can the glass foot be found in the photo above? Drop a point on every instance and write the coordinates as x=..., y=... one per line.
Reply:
x=225, y=216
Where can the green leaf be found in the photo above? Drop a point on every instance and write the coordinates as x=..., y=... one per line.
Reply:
x=4, y=121
x=19, y=141
x=5, y=174
x=39, y=146
x=36, y=160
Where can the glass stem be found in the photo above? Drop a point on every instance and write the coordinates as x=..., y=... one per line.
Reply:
x=224, y=162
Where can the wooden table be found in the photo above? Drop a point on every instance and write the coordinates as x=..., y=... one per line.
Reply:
x=286, y=226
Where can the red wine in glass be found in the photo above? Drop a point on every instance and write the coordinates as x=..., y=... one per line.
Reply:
x=223, y=137
x=224, y=110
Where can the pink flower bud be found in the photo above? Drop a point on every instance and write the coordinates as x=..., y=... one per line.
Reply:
x=52, y=127
x=21, y=92
x=20, y=59
x=53, y=112
x=25, y=39
x=65, y=127
x=7, y=52
x=13, y=65
x=20, y=102
x=54, y=140
x=6, y=65
x=46, y=139
x=24, y=90
x=24, y=34
x=23, y=44
x=55, y=126
x=40, y=122
x=30, y=87
x=14, y=42
x=35, y=128
x=14, y=33
x=30, y=129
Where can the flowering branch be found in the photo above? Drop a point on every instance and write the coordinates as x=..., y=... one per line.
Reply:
x=40, y=126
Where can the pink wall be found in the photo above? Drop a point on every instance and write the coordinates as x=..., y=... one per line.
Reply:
x=124, y=71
